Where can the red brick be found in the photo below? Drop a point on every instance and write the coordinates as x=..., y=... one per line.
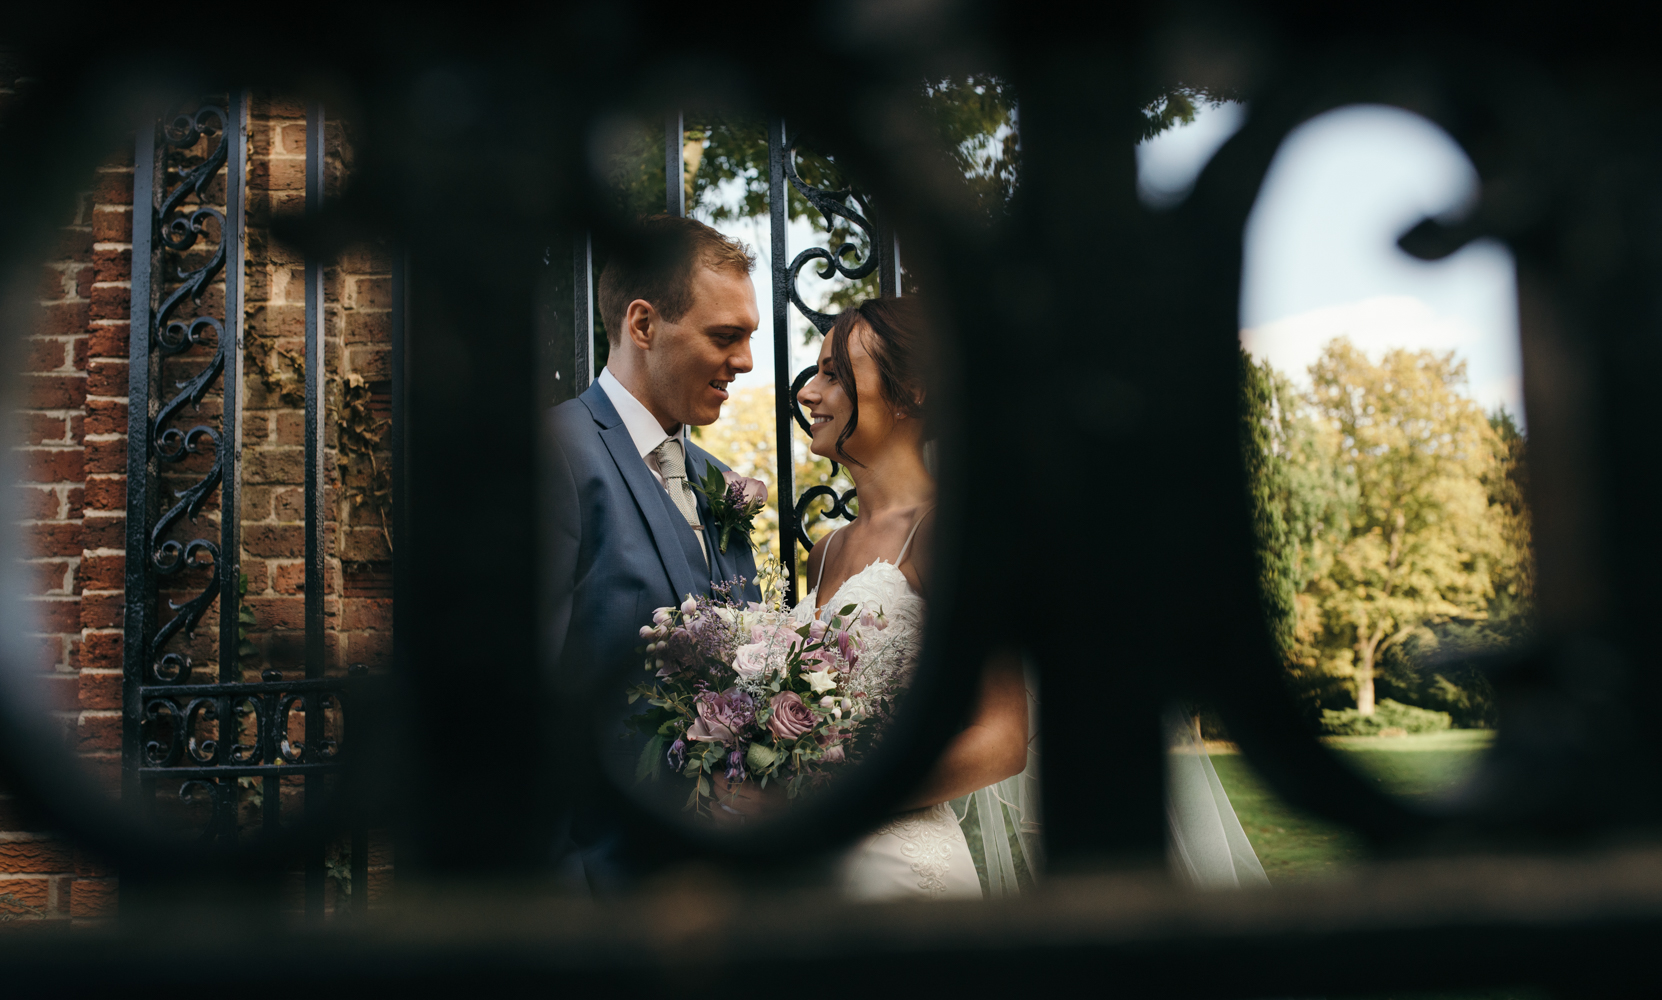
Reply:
x=367, y=613
x=289, y=505
x=374, y=293
x=75, y=498
x=44, y=355
x=62, y=319
x=255, y=570
x=46, y=577
x=23, y=897
x=101, y=651
x=74, y=244
x=38, y=503
x=94, y=897
x=99, y=690
x=256, y=504
x=106, y=416
x=54, y=284
x=115, y=187
x=373, y=362
x=278, y=613
x=107, y=378
x=102, y=610
x=105, y=492
x=110, y=302
x=46, y=428
x=102, y=572
x=106, y=457
x=365, y=545
x=263, y=465
x=83, y=282
x=373, y=648
x=102, y=531
x=363, y=327
x=99, y=732
x=54, y=614
x=35, y=857
x=58, y=693
x=290, y=578
x=78, y=352
x=112, y=225
x=284, y=174
x=55, y=465
x=109, y=340
x=59, y=539
x=112, y=264
x=56, y=392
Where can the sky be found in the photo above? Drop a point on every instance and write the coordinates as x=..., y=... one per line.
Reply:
x=1321, y=259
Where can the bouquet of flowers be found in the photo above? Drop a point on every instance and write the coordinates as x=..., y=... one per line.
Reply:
x=745, y=691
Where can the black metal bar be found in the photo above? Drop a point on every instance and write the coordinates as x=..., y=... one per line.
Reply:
x=243, y=770
x=139, y=614
x=582, y=311
x=315, y=406
x=675, y=167
x=230, y=439
x=236, y=689
x=888, y=259
x=778, y=220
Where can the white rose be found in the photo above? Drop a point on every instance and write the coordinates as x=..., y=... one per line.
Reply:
x=726, y=615
x=820, y=680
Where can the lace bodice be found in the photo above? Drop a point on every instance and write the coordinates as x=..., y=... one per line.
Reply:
x=879, y=587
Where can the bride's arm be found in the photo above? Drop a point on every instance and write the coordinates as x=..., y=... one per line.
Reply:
x=992, y=747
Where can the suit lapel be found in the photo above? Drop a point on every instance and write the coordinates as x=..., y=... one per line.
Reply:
x=650, y=498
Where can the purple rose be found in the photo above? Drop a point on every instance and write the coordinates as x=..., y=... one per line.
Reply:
x=833, y=754
x=744, y=493
x=790, y=718
x=722, y=716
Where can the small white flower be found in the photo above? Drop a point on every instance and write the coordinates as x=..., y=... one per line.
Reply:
x=826, y=702
x=726, y=615
x=646, y=632
x=820, y=680
x=836, y=713
x=689, y=605
x=661, y=616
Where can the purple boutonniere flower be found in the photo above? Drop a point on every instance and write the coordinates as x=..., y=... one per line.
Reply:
x=734, y=501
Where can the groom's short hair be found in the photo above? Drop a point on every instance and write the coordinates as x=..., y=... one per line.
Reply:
x=658, y=265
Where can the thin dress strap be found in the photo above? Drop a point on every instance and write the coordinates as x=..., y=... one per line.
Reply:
x=915, y=526
x=825, y=558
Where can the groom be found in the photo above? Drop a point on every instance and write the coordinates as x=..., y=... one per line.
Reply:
x=630, y=534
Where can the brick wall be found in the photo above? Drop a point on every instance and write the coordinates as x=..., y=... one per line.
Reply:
x=73, y=480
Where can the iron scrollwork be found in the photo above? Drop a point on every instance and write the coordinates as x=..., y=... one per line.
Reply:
x=179, y=231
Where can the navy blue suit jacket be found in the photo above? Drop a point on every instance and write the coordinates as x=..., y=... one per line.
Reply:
x=618, y=549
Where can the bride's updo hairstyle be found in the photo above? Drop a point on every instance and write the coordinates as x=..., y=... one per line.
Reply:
x=898, y=345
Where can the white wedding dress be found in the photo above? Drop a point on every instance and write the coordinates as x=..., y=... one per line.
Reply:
x=920, y=854
x=923, y=854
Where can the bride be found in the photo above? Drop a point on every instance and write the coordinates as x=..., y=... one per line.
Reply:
x=866, y=405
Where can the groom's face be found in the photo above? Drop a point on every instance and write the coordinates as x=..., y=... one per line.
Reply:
x=692, y=361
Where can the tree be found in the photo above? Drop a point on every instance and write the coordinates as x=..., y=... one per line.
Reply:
x=1421, y=539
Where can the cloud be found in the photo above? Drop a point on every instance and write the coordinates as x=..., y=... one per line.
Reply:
x=1377, y=324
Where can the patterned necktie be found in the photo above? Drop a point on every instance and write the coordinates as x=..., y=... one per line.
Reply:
x=672, y=464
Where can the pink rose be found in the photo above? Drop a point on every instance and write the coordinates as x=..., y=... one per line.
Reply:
x=833, y=754
x=750, y=659
x=790, y=718
x=722, y=716
x=745, y=493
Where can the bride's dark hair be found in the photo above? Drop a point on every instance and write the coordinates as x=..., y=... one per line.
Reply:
x=897, y=345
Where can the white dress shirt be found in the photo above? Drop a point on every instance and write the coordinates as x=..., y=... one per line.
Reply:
x=646, y=432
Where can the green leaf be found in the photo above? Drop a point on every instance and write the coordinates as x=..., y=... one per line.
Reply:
x=246, y=648
x=760, y=756
x=647, y=766
x=246, y=615
x=848, y=609
x=703, y=785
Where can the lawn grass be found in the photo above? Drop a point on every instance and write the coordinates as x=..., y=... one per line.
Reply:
x=1295, y=846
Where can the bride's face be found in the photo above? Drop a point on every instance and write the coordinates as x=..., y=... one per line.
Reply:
x=827, y=400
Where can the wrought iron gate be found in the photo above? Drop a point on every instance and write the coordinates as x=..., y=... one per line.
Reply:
x=185, y=721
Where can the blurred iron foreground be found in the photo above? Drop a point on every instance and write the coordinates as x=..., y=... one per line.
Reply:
x=1066, y=321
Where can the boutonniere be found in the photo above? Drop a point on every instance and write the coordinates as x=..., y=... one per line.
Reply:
x=734, y=500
